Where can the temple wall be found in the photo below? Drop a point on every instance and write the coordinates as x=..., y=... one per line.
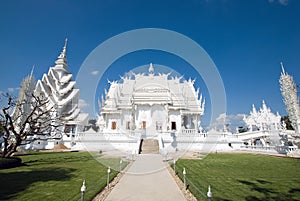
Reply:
x=159, y=118
x=125, y=118
x=113, y=122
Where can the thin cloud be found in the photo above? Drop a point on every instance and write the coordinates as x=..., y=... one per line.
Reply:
x=281, y=2
x=12, y=90
x=82, y=103
x=95, y=72
x=231, y=121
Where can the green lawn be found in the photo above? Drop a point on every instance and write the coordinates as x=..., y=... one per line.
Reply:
x=54, y=176
x=243, y=177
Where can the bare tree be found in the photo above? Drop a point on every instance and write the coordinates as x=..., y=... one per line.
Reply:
x=18, y=123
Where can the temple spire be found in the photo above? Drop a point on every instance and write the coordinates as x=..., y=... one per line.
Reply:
x=66, y=42
x=65, y=47
x=62, y=58
x=282, y=68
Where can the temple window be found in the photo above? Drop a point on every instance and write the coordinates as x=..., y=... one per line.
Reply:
x=144, y=125
x=113, y=125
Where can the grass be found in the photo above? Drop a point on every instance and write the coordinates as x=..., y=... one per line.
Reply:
x=243, y=177
x=54, y=176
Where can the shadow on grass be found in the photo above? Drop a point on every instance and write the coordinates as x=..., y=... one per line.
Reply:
x=15, y=182
x=57, y=159
x=221, y=199
x=269, y=193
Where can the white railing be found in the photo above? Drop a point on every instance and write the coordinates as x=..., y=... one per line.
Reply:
x=107, y=136
x=279, y=149
x=253, y=134
x=136, y=135
x=188, y=131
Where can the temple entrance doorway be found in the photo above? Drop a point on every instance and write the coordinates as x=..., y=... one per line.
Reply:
x=173, y=125
x=144, y=125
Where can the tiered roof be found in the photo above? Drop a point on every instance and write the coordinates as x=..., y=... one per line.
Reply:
x=57, y=85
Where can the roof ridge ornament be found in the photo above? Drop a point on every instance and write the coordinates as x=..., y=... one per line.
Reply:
x=151, y=69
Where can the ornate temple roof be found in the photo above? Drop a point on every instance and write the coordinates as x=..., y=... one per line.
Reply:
x=151, y=89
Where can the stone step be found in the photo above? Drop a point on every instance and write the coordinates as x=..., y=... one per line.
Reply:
x=150, y=146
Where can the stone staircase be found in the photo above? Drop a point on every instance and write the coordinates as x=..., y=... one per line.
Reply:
x=150, y=146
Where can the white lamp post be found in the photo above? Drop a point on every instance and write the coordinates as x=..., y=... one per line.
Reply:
x=184, y=179
x=174, y=162
x=108, y=172
x=83, y=189
x=121, y=165
x=132, y=153
x=209, y=194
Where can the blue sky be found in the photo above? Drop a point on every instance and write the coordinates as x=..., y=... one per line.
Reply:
x=247, y=40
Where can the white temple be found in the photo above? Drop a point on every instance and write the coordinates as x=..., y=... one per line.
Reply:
x=59, y=88
x=289, y=93
x=150, y=110
x=152, y=103
x=263, y=119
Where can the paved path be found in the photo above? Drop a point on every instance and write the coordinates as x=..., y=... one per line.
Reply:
x=147, y=179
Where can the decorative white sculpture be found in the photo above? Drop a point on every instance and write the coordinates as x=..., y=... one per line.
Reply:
x=263, y=120
x=291, y=101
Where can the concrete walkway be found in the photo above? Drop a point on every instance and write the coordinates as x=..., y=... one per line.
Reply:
x=147, y=179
